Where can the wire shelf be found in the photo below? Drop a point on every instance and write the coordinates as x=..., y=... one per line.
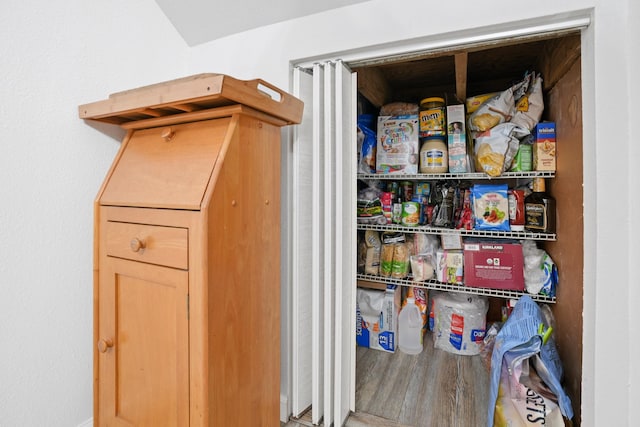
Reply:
x=439, y=286
x=458, y=176
x=519, y=235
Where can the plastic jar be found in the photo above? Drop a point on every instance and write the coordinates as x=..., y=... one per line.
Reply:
x=432, y=117
x=434, y=157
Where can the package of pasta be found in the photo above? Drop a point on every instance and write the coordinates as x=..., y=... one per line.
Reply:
x=401, y=260
x=496, y=148
x=389, y=242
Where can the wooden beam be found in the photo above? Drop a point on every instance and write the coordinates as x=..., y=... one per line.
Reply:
x=373, y=86
x=461, y=75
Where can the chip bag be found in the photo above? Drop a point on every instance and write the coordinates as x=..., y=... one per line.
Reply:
x=496, y=148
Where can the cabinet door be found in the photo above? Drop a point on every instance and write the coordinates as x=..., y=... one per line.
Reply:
x=143, y=371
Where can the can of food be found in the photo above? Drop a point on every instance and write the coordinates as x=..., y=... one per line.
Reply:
x=421, y=200
x=406, y=190
x=432, y=117
x=410, y=214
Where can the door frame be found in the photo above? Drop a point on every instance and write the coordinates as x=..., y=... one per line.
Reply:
x=404, y=49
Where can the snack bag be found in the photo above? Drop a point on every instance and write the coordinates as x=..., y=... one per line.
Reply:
x=496, y=148
x=530, y=106
x=495, y=110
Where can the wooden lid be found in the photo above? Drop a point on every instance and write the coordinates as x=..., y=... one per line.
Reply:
x=190, y=94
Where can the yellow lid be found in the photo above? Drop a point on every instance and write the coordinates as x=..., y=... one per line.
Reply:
x=432, y=99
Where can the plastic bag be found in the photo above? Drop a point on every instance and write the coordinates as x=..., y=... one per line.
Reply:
x=494, y=111
x=459, y=322
x=530, y=106
x=496, y=148
x=540, y=272
x=524, y=382
x=367, y=141
x=369, y=206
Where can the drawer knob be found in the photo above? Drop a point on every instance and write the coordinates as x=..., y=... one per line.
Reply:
x=136, y=244
x=105, y=344
x=167, y=134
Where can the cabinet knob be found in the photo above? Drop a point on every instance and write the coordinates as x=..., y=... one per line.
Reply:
x=105, y=344
x=167, y=134
x=137, y=244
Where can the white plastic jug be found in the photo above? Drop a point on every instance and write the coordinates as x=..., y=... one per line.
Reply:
x=410, y=328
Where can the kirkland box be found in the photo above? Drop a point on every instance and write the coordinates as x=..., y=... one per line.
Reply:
x=398, y=148
x=544, y=146
x=495, y=265
x=377, y=318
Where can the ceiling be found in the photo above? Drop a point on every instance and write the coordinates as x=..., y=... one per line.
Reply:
x=200, y=21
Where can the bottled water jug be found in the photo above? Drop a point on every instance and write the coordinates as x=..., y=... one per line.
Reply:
x=410, y=328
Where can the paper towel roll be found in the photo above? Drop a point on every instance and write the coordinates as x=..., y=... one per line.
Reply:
x=459, y=322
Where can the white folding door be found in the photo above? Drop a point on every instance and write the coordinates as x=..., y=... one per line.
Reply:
x=324, y=235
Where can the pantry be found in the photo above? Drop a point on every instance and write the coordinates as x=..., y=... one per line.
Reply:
x=325, y=252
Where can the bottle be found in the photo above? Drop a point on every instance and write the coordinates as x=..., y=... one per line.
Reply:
x=516, y=210
x=434, y=157
x=540, y=209
x=396, y=211
x=410, y=328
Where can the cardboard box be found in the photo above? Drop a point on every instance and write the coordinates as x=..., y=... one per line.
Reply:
x=544, y=146
x=398, y=145
x=494, y=265
x=457, y=139
x=381, y=334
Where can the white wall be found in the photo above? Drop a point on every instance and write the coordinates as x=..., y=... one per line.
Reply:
x=610, y=383
x=633, y=72
x=55, y=56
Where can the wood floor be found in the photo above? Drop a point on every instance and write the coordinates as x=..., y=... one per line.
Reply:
x=432, y=389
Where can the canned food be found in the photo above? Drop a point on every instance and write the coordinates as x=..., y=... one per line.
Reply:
x=410, y=214
x=406, y=190
x=432, y=117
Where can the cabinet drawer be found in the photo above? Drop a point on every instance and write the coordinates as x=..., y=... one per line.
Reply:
x=147, y=243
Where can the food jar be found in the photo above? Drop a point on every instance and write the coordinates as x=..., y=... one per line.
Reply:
x=434, y=157
x=432, y=117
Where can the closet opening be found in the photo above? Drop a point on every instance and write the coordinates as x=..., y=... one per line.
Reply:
x=435, y=385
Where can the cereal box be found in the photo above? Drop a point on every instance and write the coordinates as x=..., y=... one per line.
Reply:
x=398, y=145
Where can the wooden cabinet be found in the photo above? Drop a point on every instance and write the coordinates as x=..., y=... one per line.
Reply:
x=187, y=255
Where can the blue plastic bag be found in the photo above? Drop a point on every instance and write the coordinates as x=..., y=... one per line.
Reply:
x=523, y=343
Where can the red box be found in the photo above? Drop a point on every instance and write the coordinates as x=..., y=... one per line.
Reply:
x=494, y=265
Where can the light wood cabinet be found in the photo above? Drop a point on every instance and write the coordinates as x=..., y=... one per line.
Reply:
x=187, y=255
